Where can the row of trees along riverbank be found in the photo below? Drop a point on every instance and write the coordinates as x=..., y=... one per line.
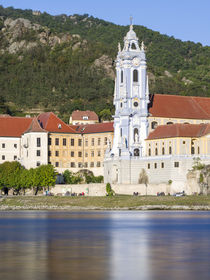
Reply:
x=14, y=176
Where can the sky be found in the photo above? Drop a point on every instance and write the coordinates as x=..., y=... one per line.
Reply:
x=188, y=20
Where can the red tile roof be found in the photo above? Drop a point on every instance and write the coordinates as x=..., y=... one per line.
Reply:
x=50, y=122
x=94, y=128
x=13, y=126
x=180, y=130
x=182, y=107
x=35, y=127
x=78, y=115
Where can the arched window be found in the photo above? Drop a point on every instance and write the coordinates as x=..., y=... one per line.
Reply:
x=136, y=152
x=135, y=75
x=170, y=150
x=136, y=135
x=156, y=151
x=133, y=46
x=163, y=151
x=154, y=125
x=192, y=146
x=121, y=76
x=169, y=123
x=149, y=152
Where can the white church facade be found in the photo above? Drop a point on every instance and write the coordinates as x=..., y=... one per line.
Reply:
x=160, y=134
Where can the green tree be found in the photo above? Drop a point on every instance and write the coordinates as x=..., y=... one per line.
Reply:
x=71, y=178
x=105, y=115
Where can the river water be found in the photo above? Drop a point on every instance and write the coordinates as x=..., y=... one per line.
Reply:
x=105, y=245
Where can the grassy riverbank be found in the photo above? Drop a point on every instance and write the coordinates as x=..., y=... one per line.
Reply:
x=104, y=203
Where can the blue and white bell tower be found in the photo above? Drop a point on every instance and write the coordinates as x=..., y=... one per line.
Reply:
x=131, y=98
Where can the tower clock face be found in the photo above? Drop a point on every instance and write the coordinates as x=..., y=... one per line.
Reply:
x=136, y=61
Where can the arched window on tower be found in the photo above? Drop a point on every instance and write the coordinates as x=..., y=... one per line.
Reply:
x=136, y=135
x=135, y=75
x=133, y=46
x=121, y=76
x=154, y=125
x=136, y=152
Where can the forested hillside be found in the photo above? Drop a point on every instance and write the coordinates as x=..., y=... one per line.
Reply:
x=62, y=63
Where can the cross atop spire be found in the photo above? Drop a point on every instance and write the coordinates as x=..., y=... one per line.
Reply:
x=131, y=22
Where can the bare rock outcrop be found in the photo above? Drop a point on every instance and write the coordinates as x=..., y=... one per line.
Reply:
x=105, y=62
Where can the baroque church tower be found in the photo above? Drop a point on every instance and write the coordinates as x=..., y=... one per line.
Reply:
x=131, y=98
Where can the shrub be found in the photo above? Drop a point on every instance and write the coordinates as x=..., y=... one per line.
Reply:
x=109, y=190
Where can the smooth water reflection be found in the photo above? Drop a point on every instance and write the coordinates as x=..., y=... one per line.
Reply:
x=105, y=245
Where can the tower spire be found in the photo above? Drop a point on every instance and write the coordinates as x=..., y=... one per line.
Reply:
x=131, y=23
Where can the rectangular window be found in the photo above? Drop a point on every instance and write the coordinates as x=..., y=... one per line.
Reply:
x=79, y=164
x=98, y=164
x=79, y=154
x=86, y=142
x=57, y=164
x=3, y=145
x=85, y=164
x=162, y=164
x=15, y=146
x=80, y=142
x=64, y=141
x=99, y=141
x=155, y=165
x=148, y=166
x=3, y=157
x=38, y=163
x=56, y=141
x=86, y=154
x=15, y=157
x=72, y=154
x=57, y=153
x=72, y=142
x=92, y=153
x=92, y=164
x=72, y=164
x=105, y=141
x=38, y=142
x=176, y=164
x=170, y=150
x=49, y=153
x=99, y=153
x=49, y=141
x=38, y=153
x=92, y=141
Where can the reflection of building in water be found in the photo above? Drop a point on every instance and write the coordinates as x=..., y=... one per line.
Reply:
x=129, y=258
x=23, y=243
x=81, y=249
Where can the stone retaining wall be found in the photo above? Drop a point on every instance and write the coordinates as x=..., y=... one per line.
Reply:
x=151, y=189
